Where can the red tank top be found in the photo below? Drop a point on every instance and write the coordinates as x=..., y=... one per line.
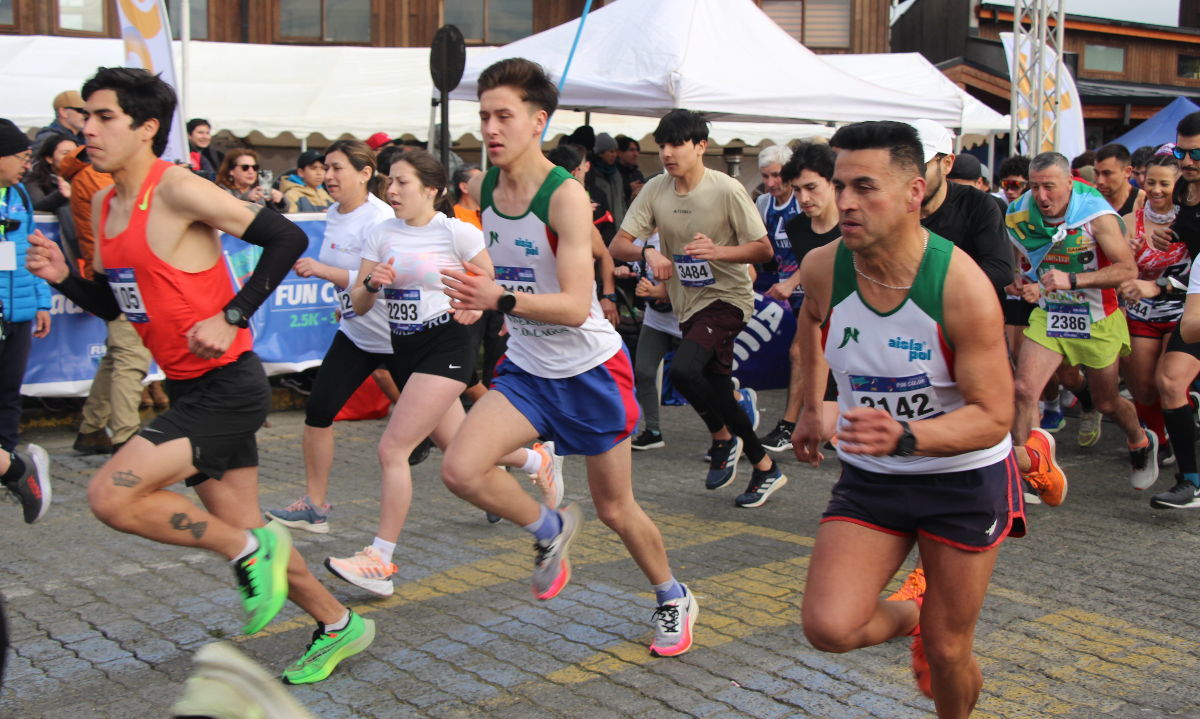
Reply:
x=164, y=302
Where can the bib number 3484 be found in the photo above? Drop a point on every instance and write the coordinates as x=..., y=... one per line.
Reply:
x=693, y=272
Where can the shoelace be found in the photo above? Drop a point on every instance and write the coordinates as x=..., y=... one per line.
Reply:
x=542, y=552
x=668, y=616
x=298, y=505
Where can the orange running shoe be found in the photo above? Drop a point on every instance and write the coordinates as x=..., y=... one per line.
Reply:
x=1047, y=479
x=913, y=587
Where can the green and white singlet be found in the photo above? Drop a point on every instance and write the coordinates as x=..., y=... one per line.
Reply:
x=898, y=361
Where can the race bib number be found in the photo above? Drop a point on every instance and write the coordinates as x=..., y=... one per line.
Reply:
x=345, y=306
x=403, y=307
x=124, y=286
x=904, y=398
x=693, y=272
x=517, y=279
x=1068, y=321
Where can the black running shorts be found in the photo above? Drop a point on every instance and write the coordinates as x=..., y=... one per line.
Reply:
x=972, y=510
x=445, y=350
x=219, y=412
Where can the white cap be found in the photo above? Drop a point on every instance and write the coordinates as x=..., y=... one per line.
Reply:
x=934, y=138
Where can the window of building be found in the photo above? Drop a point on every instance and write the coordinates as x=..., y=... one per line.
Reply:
x=490, y=22
x=331, y=21
x=1103, y=58
x=198, y=10
x=815, y=23
x=1189, y=67
x=81, y=15
x=7, y=16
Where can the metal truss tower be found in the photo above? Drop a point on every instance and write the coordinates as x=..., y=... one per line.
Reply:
x=1036, y=94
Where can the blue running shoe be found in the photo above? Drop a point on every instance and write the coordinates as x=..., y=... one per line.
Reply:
x=1053, y=421
x=748, y=401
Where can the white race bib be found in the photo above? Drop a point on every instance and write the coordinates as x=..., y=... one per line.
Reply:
x=345, y=306
x=404, y=311
x=124, y=286
x=904, y=398
x=693, y=272
x=517, y=279
x=1068, y=321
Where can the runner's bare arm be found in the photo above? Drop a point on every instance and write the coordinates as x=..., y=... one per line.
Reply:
x=974, y=329
x=361, y=299
x=571, y=217
x=816, y=276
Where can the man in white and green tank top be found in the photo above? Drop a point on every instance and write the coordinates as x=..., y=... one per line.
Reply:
x=1076, y=246
x=567, y=375
x=913, y=334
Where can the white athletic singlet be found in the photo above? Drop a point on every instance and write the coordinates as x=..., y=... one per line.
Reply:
x=898, y=361
x=345, y=236
x=523, y=252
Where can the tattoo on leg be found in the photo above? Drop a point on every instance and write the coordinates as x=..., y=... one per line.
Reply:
x=180, y=521
x=126, y=479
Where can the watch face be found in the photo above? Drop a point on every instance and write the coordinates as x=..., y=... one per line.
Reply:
x=507, y=302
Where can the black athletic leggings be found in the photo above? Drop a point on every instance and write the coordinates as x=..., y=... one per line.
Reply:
x=711, y=395
x=344, y=368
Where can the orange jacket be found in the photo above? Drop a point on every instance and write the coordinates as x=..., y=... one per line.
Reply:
x=85, y=181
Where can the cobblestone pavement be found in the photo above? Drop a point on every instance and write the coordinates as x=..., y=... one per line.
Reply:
x=1090, y=616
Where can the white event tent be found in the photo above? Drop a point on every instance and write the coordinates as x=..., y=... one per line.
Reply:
x=724, y=58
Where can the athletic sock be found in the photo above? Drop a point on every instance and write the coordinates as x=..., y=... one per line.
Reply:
x=1181, y=427
x=533, y=462
x=385, y=549
x=1052, y=405
x=340, y=624
x=547, y=526
x=1152, y=417
x=16, y=469
x=1193, y=477
x=668, y=590
x=250, y=548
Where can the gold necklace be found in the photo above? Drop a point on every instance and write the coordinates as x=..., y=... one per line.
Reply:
x=865, y=276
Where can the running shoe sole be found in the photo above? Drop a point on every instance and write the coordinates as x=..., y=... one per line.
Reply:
x=314, y=527
x=764, y=496
x=651, y=445
x=378, y=587
x=41, y=463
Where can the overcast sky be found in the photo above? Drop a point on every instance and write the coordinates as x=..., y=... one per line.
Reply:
x=1153, y=12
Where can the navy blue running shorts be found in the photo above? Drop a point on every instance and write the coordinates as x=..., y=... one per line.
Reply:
x=972, y=510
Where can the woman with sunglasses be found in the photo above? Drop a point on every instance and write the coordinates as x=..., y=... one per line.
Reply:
x=400, y=273
x=1161, y=367
x=239, y=176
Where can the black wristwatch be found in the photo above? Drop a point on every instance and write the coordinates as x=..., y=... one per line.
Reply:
x=370, y=288
x=611, y=297
x=506, y=303
x=235, y=317
x=906, y=446
x=1074, y=280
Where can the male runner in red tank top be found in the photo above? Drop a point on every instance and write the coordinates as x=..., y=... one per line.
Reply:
x=158, y=261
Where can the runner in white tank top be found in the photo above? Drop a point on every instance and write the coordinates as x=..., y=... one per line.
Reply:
x=914, y=335
x=567, y=376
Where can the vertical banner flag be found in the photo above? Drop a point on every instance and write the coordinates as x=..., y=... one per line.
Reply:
x=147, y=36
x=1071, y=141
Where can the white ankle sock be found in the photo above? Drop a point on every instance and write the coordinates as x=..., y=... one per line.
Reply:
x=533, y=462
x=340, y=624
x=250, y=548
x=385, y=549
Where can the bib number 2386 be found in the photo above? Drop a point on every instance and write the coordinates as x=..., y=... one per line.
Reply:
x=693, y=272
x=1068, y=321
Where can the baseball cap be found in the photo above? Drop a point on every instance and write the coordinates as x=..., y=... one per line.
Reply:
x=935, y=139
x=966, y=167
x=378, y=140
x=68, y=98
x=308, y=157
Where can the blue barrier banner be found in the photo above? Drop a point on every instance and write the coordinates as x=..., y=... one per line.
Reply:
x=292, y=330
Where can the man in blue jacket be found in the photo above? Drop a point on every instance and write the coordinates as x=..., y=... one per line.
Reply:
x=26, y=308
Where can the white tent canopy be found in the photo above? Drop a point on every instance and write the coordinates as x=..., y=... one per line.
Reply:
x=301, y=90
x=724, y=58
x=917, y=75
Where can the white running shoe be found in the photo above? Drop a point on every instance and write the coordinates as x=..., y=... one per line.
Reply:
x=549, y=478
x=365, y=569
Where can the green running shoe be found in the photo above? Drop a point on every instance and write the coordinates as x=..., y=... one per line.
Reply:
x=262, y=576
x=328, y=649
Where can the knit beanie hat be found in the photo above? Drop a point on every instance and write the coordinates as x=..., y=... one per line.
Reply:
x=12, y=140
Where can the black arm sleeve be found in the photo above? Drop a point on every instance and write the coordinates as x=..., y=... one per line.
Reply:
x=94, y=295
x=283, y=243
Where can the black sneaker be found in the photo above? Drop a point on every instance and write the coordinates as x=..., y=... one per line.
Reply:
x=32, y=489
x=420, y=453
x=1166, y=455
x=1184, y=495
x=762, y=485
x=648, y=440
x=709, y=452
x=780, y=438
x=722, y=468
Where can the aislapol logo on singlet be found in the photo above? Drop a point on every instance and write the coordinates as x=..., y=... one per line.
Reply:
x=850, y=334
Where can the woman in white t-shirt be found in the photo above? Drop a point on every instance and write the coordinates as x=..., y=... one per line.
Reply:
x=361, y=345
x=434, y=357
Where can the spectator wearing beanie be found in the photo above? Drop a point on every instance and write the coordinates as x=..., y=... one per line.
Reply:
x=606, y=178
